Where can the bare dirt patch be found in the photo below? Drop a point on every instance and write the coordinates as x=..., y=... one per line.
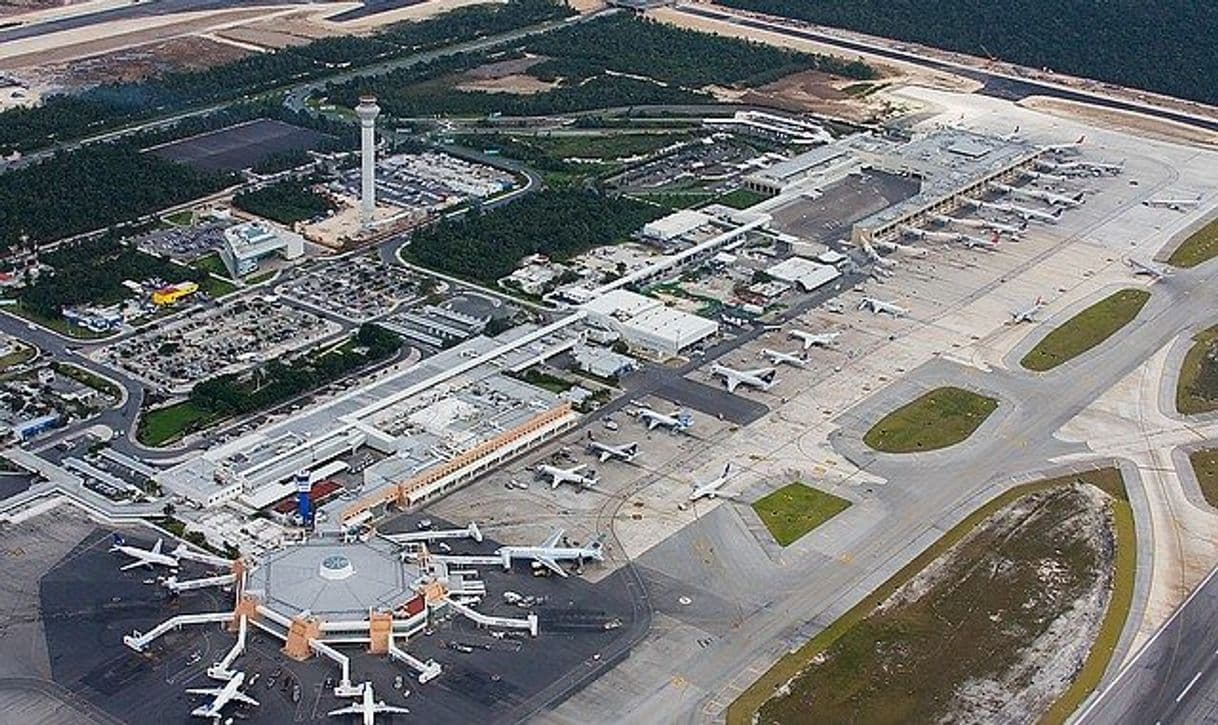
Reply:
x=139, y=63
x=1134, y=123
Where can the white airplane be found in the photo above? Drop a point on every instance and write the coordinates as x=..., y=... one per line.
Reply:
x=368, y=708
x=1096, y=168
x=761, y=378
x=559, y=476
x=677, y=422
x=882, y=307
x=143, y=557
x=710, y=489
x=987, y=224
x=1048, y=197
x=1044, y=176
x=604, y=451
x=1060, y=147
x=972, y=242
x=1147, y=269
x=780, y=358
x=1028, y=314
x=221, y=696
x=1048, y=217
x=1173, y=204
x=550, y=552
x=814, y=339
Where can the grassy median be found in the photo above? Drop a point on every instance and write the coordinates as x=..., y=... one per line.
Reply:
x=795, y=509
x=1197, y=386
x=162, y=426
x=909, y=660
x=1086, y=329
x=941, y=418
x=1202, y=246
x=1205, y=468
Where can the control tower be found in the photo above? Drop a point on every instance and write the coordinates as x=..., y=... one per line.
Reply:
x=367, y=110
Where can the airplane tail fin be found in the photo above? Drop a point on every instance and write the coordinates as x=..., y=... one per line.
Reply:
x=117, y=540
x=727, y=469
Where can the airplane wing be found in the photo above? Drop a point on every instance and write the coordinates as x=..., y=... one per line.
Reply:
x=381, y=707
x=605, y=456
x=553, y=539
x=209, y=691
x=550, y=564
x=132, y=565
x=652, y=423
x=732, y=382
x=349, y=710
x=242, y=697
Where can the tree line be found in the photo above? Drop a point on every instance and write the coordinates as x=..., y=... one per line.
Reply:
x=557, y=223
x=1170, y=46
x=286, y=202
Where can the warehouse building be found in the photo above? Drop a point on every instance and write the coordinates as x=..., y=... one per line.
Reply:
x=646, y=322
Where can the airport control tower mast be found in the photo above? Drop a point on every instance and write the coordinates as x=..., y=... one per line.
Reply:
x=367, y=111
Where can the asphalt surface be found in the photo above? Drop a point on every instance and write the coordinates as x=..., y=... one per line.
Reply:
x=997, y=85
x=1174, y=677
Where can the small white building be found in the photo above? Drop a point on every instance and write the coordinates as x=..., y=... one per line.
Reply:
x=807, y=274
x=601, y=362
x=675, y=225
x=646, y=322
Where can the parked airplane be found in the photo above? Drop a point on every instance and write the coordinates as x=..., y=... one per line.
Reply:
x=1028, y=314
x=368, y=708
x=604, y=451
x=1147, y=269
x=972, y=242
x=677, y=422
x=1094, y=168
x=979, y=223
x=1173, y=204
x=779, y=358
x=710, y=489
x=221, y=696
x=1048, y=197
x=1044, y=176
x=1025, y=213
x=143, y=557
x=882, y=307
x=559, y=476
x=550, y=552
x=761, y=378
x=814, y=339
x=1060, y=147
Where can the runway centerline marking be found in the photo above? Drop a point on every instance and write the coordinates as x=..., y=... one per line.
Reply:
x=1188, y=687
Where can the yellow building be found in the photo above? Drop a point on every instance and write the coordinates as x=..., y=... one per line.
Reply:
x=173, y=293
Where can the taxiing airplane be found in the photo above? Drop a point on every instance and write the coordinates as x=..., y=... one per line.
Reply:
x=761, y=378
x=550, y=552
x=1173, y=204
x=814, y=339
x=1147, y=269
x=368, y=708
x=1028, y=314
x=780, y=358
x=559, y=476
x=710, y=489
x=143, y=557
x=1060, y=147
x=221, y=696
x=882, y=307
x=677, y=422
x=604, y=451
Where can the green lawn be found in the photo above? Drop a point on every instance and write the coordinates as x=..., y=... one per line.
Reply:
x=1197, y=386
x=164, y=425
x=183, y=218
x=211, y=263
x=1086, y=329
x=22, y=354
x=606, y=147
x=795, y=509
x=742, y=198
x=901, y=663
x=676, y=199
x=217, y=287
x=941, y=418
x=1202, y=246
x=1205, y=466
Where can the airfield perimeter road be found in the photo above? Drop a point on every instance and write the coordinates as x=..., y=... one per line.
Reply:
x=996, y=84
x=1174, y=678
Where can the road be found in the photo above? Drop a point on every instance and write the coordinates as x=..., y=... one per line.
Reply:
x=995, y=84
x=1174, y=677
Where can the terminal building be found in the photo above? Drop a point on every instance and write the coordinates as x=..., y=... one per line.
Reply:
x=949, y=166
x=246, y=245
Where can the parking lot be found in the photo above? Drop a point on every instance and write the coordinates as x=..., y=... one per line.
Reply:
x=428, y=182
x=224, y=339
x=359, y=287
x=184, y=243
x=241, y=146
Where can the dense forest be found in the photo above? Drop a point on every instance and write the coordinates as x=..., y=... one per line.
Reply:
x=93, y=187
x=64, y=117
x=286, y=202
x=627, y=44
x=92, y=272
x=277, y=381
x=1170, y=46
x=559, y=224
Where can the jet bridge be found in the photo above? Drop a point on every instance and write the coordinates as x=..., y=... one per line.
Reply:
x=177, y=587
x=486, y=620
x=411, y=537
x=222, y=670
x=138, y=642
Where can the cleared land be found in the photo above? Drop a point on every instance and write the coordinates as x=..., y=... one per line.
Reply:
x=1202, y=246
x=941, y=418
x=795, y=509
x=999, y=620
x=1086, y=330
x=1205, y=467
x=1197, y=386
